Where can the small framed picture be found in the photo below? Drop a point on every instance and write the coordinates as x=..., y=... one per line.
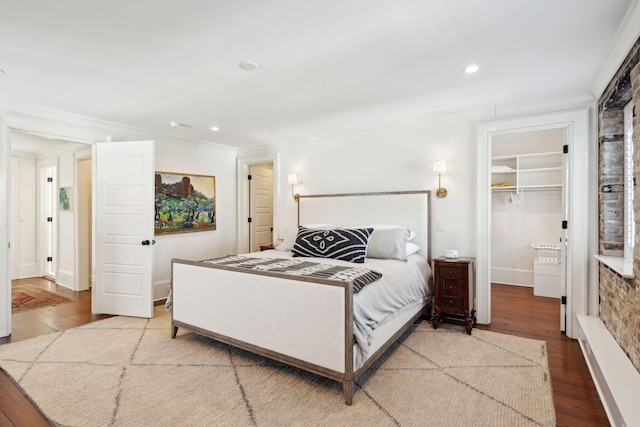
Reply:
x=64, y=198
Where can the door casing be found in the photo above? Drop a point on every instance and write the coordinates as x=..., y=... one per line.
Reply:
x=579, y=244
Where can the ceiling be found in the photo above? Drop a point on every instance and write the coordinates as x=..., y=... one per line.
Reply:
x=324, y=67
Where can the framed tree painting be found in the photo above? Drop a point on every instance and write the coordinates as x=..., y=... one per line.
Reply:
x=64, y=199
x=184, y=203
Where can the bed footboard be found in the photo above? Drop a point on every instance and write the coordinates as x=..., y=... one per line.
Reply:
x=299, y=321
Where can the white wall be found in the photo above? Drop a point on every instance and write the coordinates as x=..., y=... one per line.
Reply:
x=66, y=223
x=390, y=159
x=515, y=227
x=201, y=160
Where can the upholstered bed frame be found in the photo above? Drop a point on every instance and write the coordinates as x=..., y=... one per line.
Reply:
x=303, y=322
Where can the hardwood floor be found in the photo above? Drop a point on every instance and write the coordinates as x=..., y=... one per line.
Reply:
x=515, y=311
x=31, y=323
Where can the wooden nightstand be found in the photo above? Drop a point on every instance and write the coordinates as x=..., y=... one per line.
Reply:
x=454, y=291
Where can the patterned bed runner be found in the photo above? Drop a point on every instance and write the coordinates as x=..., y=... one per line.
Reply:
x=298, y=267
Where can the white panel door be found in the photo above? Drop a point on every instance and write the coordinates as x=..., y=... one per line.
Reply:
x=564, y=239
x=124, y=218
x=261, y=207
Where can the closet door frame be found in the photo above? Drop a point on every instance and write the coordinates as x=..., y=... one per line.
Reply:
x=582, y=210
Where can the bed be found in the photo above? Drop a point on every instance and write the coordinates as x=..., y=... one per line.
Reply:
x=331, y=325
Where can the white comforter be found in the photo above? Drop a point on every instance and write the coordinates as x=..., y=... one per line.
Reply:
x=402, y=284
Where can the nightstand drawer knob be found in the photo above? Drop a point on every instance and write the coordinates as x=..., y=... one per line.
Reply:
x=450, y=271
x=450, y=301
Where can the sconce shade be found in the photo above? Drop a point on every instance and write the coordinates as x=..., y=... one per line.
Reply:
x=293, y=179
x=439, y=167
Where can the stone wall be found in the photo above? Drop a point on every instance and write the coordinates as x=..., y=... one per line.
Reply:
x=619, y=298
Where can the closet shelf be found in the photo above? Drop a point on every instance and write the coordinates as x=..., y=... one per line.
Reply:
x=527, y=172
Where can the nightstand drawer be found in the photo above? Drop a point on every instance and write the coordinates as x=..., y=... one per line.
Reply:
x=449, y=272
x=450, y=288
x=451, y=302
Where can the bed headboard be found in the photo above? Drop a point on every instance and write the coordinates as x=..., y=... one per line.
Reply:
x=411, y=209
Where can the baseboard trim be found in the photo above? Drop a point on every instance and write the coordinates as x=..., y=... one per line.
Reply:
x=512, y=276
x=27, y=270
x=615, y=377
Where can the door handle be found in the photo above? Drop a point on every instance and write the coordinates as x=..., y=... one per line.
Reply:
x=146, y=243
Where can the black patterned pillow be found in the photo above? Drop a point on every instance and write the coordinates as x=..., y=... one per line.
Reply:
x=339, y=243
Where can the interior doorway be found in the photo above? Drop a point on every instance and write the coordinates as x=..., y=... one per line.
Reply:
x=43, y=170
x=580, y=237
x=48, y=235
x=84, y=199
x=527, y=211
x=261, y=206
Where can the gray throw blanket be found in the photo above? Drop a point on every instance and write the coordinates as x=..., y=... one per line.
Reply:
x=299, y=267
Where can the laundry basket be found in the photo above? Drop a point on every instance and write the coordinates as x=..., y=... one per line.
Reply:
x=546, y=270
x=548, y=254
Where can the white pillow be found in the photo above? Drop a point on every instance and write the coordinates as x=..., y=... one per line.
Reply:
x=412, y=234
x=412, y=248
x=388, y=243
x=288, y=241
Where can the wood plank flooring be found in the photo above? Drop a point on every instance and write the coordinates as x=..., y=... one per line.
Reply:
x=32, y=323
x=514, y=311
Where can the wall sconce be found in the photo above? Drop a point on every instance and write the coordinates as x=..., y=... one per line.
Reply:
x=294, y=179
x=440, y=168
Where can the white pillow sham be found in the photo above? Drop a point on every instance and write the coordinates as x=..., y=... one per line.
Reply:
x=412, y=234
x=412, y=248
x=288, y=241
x=388, y=243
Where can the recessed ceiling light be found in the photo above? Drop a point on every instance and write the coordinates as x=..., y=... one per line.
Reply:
x=248, y=65
x=470, y=69
x=215, y=128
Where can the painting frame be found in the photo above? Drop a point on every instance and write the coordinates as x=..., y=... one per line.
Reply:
x=184, y=203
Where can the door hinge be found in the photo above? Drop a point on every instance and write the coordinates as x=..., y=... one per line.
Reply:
x=565, y=225
x=249, y=177
x=49, y=219
x=49, y=258
x=564, y=300
x=565, y=148
x=249, y=220
x=49, y=179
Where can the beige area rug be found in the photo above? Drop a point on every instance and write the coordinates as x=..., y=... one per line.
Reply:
x=29, y=297
x=128, y=372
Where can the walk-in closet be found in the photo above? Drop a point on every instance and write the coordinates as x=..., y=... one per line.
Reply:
x=527, y=197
